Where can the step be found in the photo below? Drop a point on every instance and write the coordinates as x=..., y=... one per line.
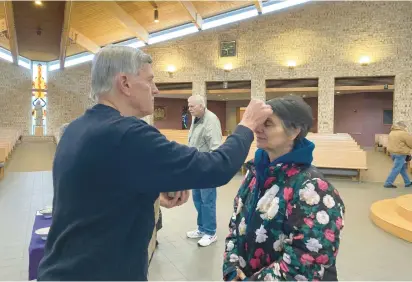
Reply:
x=385, y=215
x=404, y=204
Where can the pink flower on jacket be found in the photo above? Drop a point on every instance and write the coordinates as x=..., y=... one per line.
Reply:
x=246, y=246
x=268, y=259
x=306, y=259
x=288, y=194
x=259, y=252
x=339, y=223
x=336, y=192
x=289, y=209
x=292, y=171
x=330, y=235
x=335, y=254
x=254, y=263
x=322, y=259
x=284, y=267
x=269, y=181
x=299, y=237
x=308, y=222
x=322, y=185
x=252, y=183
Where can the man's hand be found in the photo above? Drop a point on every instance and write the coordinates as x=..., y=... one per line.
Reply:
x=256, y=113
x=168, y=202
x=178, y=199
x=184, y=196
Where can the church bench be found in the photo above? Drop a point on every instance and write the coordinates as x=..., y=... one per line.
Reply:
x=8, y=141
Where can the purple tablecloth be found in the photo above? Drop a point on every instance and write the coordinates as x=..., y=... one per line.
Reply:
x=36, y=248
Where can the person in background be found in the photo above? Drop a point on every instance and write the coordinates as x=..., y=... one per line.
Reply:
x=110, y=167
x=287, y=217
x=206, y=136
x=400, y=148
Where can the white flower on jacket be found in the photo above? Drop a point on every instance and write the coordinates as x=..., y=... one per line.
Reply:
x=234, y=258
x=242, y=227
x=328, y=201
x=309, y=195
x=242, y=262
x=286, y=258
x=272, y=210
x=268, y=277
x=239, y=206
x=276, y=269
x=300, y=278
x=322, y=217
x=278, y=245
x=321, y=271
x=264, y=203
x=313, y=245
x=230, y=246
x=261, y=234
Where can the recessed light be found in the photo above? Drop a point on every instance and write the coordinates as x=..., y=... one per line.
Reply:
x=38, y=3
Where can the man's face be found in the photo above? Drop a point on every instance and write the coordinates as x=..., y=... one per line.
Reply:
x=141, y=91
x=195, y=109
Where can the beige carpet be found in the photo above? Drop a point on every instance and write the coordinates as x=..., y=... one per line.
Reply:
x=32, y=156
x=379, y=166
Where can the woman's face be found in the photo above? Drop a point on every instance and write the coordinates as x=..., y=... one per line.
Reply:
x=271, y=135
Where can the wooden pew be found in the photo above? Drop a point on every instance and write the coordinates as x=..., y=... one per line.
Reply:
x=8, y=141
x=334, y=153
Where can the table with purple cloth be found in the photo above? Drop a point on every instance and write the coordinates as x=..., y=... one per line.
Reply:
x=37, y=244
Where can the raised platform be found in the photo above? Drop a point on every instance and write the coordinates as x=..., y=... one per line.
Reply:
x=394, y=216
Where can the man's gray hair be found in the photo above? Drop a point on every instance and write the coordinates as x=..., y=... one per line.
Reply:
x=199, y=100
x=294, y=113
x=112, y=60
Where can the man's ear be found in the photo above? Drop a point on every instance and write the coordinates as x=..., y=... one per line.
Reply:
x=122, y=83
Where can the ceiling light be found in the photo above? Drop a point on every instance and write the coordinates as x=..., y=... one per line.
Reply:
x=156, y=16
x=38, y=3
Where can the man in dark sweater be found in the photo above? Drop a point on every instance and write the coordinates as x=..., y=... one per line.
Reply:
x=110, y=167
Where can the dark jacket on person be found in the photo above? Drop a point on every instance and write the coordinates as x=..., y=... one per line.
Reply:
x=107, y=173
x=286, y=222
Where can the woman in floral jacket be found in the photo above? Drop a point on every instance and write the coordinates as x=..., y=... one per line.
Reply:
x=287, y=218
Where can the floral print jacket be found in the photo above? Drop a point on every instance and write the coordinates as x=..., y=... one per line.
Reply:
x=289, y=230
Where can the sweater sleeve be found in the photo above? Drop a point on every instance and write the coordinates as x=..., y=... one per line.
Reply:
x=316, y=220
x=173, y=167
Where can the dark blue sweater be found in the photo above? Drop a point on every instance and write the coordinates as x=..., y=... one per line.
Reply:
x=107, y=173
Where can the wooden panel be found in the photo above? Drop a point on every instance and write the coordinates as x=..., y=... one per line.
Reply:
x=92, y=20
x=211, y=8
x=241, y=84
x=174, y=86
x=291, y=83
x=364, y=81
x=171, y=13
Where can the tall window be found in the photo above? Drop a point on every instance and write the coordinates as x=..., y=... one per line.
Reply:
x=39, y=99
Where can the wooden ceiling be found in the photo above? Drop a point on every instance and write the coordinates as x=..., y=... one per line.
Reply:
x=81, y=26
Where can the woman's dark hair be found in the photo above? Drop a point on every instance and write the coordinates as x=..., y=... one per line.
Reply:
x=294, y=112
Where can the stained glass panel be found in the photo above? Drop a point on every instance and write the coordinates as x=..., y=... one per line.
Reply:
x=39, y=99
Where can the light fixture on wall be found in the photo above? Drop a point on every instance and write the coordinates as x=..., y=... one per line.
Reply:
x=291, y=64
x=228, y=67
x=38, y=3
x=156, y=16
x=364, y=60
x=171, y=69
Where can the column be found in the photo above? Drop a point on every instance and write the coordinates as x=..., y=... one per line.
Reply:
x=258, y=89
x=326, y=104
x=402, y=99
x=199, y=88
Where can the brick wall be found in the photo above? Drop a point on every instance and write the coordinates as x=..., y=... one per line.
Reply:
x=326, y=39
x=15, y=97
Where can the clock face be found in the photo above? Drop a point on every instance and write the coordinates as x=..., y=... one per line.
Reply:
x=228, y=49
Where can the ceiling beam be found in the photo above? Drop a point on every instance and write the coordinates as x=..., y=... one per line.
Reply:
x=83, y=41
x=3, y=25
x=259, y=6
x=8, y=9
x=126, y=20
x=196, y=17
x=65, y=32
